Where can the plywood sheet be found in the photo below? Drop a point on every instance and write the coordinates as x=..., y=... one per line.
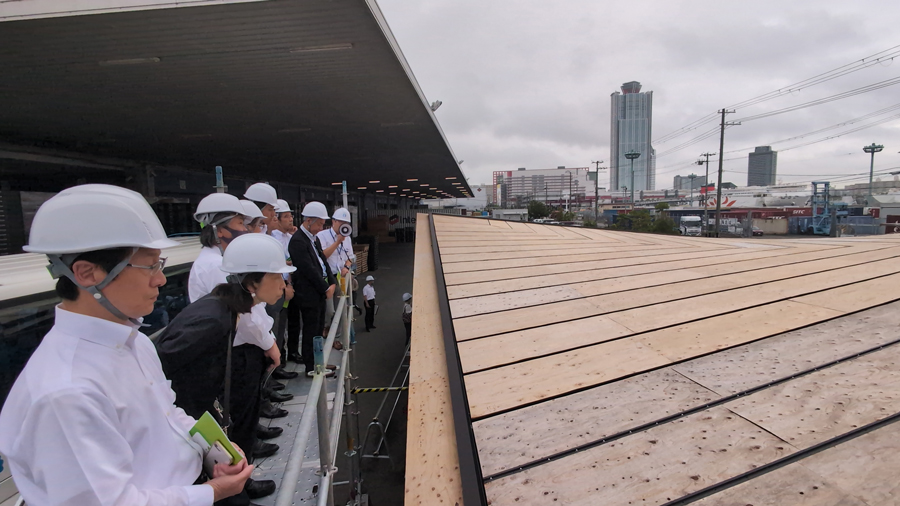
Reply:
x=689, y=340
x=857, y=296
x=515, y=385
x=739, y=369
x=867, y=466
x=827, y=403
x=651, y=467
x=528, y=434
x=594, y=274
x=793, y=485
x=479, y=354
x=432, y=460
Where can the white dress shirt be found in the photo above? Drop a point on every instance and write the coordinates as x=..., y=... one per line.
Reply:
x=91, y=420
x=206, y=274
x=312, y=241
x=369, y=292
x=339, y=257
x=284, y=239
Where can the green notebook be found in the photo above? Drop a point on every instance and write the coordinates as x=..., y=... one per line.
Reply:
x=207, y=427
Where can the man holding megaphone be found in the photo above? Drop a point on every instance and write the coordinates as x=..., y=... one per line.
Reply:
x=338, y=250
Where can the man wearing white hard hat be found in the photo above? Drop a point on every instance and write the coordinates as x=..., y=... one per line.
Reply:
x=91, y=418
x=314, y=282
x=369, y=301
x=266, y=198
x=338, y=249
x=222, y=217
x=283, y=231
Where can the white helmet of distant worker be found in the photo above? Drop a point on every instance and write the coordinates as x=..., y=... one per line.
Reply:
x=262, y=192
x=341, y=214
x=251, y=211
x=315, y=210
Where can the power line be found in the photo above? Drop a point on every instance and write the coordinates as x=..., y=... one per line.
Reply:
x=856, y=65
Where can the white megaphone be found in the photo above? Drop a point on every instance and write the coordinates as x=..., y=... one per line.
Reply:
x=345, y=230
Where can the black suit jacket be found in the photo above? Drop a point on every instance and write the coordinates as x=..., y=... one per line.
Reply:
x=309, y=284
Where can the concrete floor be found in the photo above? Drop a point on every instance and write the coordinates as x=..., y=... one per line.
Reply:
x=379, y=353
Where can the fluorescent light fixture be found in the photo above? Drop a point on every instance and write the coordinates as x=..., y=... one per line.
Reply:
x=374, y=182
x=448, y=178
x=393, y=193
x=406, y=189
x=412, y=179
x=456, y=183
x=392, y=186
x=360, y=187
x=337, y=184
x=129, y=61
x=432, y=188
x=326, y=47
x=379, y=191
x=426, y=184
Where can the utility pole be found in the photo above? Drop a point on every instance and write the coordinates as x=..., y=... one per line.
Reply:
x=596, y=188
x=706, y=192
x=722, y=126
x=691, y=177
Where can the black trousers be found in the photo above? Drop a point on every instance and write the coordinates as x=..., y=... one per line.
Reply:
x=293, y=328
x=248, y=367
x=370, y=313
x=313, y=324
x=408, y=326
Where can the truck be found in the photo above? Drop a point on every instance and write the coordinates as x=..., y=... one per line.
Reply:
x=691, y=225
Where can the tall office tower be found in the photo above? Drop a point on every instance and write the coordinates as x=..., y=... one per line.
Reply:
x=631, y=117
x=761, y=167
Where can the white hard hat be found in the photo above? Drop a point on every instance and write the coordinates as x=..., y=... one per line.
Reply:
x=315, y=210
x=94, y=217
x=407, y=296
x=216, y=203
x=282, y=207
x=370, y=278
x=255, y=253
x=341, y=215
x=262, y=192
x=251, y=210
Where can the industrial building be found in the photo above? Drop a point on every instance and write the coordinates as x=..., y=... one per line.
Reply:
x=562, y=186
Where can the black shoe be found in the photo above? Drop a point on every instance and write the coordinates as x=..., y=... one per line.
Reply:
x=270, y=411
x=262, y=450
x=281, y=374
x=276, y=386
x=263, y=432
x=259, y=488
x=295, y=357
x=280, y=397
x=373, y=327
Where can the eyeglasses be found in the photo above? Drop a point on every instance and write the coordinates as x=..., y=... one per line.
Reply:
x=154, y=268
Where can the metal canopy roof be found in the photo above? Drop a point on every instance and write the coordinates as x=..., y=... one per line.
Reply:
x=311, y=91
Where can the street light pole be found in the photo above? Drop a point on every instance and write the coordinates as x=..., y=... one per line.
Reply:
x=631, y=155
x=597, y=188
x=872, y=149
x=706, y=198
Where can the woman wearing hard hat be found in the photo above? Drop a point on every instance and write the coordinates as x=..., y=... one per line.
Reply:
x=194, y=349
x=91, y=418
x=265, y=197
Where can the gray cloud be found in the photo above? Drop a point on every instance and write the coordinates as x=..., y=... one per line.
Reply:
x=527, y=82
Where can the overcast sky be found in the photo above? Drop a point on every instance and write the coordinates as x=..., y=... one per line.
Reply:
x=526, y=83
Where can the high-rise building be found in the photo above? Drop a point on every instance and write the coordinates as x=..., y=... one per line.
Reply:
x=761, y=167
x=684, y=182
x=631, y=116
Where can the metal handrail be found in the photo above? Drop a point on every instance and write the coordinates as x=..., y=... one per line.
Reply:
x=310, y=414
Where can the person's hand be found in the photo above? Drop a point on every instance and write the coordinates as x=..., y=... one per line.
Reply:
x=274, y=355
x=330, y=292
x=229, y=480
x=293, y=230
x=288, y=292
x=345, y=271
